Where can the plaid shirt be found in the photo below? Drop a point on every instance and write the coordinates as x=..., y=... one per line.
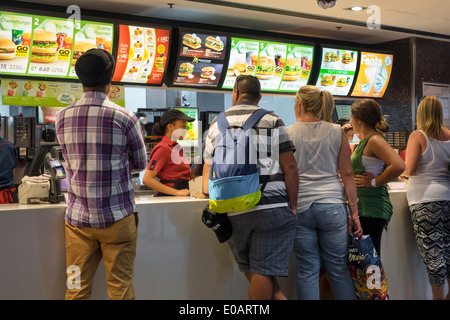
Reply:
x=102, y=143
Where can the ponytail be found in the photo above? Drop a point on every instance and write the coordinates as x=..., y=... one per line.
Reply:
x=316, y=101
x=157, y=130
x=327, y=105
x=382, y=126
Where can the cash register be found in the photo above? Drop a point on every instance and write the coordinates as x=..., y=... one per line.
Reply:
x=44, y=175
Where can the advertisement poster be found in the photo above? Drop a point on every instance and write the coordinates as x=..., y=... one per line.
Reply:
x=374, y=73
x=206, y=46
x=87, y=35
x=48, y=58
x=297, y=67
x=142, y=55
x=45, y=46
x=200, y=60
x=15, y=40
x=280, y=67
x=25, y=92
x=337, y=71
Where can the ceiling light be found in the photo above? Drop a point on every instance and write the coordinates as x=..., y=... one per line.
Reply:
x=357, y=8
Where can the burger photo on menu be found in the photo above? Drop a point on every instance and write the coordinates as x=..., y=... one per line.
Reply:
x=80, y=48
x=327, y=81
x=186, y=69
x=192, y=40
x=265, y=68
x=347, y=58
x=44, y=46
x=331, y=56
x=342, y=82
x=208, y=72
x=7, y=49
x=292, y=69
x=214, y=43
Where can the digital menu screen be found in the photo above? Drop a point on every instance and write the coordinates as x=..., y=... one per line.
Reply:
x=337, y=70
x=141, y=55
x=46, y=46
x=191, y=138
x=280, y=67
x=200, y=59
x=374, y=73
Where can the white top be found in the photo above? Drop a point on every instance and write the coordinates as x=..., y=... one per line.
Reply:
x=317, y=148
x=372, y=165
x=431, y=182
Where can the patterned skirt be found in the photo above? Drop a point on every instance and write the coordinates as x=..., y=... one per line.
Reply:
x=431, y=221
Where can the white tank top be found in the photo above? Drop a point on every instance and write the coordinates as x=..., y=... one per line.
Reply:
x=431, y=182
x=372, y=165
x=317, y=147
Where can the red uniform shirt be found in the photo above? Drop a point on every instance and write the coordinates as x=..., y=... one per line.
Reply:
x=168, y=160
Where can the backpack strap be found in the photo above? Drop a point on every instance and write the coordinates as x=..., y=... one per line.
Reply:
x=222, y=122
x=254, y=119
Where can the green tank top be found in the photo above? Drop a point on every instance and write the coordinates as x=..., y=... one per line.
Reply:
x=373, y=202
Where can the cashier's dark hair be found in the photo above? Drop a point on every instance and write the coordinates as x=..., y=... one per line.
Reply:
x=159, y=130
x=369, y=112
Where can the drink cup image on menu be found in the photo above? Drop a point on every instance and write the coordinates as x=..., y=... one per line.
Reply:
x=44, y=46
x=12, y=86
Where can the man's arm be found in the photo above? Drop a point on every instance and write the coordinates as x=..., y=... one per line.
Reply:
x=137, y=153
x=290, y=172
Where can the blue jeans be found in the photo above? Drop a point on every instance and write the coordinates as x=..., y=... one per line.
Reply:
x=322, y=231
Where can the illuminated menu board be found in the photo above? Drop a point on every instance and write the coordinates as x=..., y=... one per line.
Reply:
x=141, y=55
x=280, y=67
x=43, y=46
x=200, y=59
x=374, y=73
x=337, y=70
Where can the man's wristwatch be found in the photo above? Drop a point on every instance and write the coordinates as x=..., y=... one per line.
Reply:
x=373, y=183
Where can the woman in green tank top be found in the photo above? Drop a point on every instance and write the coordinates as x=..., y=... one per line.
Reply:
x=374, y=164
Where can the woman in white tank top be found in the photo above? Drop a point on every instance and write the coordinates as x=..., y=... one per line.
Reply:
x=428, y=191
x=323, y=218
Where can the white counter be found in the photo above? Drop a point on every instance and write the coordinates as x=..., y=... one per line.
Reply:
x=177, y=257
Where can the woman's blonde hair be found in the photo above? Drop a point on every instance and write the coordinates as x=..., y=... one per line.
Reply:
x=369, y=112
x=320, y=103
x=430, y=117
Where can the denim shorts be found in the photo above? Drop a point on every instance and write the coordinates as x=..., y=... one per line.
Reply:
x=262, y=241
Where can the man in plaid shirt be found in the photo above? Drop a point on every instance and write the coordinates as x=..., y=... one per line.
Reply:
x=103, y=145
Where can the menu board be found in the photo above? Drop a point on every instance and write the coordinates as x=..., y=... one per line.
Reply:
x=374, y=73
x=46, y=46
x=337, y=70
x=280, y=67
x=25, y=92
x=141, y=55
x=200, y=60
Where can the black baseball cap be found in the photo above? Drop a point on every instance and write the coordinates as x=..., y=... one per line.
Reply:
x=95, y=68
x=219, y=223
x=174, y=114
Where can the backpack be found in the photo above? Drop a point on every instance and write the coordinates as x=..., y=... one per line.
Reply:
x=234, y=179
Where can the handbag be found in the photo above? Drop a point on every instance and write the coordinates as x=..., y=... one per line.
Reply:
x=219, y=223
x=366, y=270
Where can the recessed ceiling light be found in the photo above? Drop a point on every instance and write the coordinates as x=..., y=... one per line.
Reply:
x=356, y=8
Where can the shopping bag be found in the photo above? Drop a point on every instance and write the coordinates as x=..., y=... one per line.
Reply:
x=366, y=270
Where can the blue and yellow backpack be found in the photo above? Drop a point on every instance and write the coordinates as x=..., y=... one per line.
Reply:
x=234, y=179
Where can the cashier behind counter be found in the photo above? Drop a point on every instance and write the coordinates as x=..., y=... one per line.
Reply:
x=167, y=162
x=8, y=158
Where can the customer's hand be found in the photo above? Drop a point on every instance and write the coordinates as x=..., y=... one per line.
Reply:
x=354, y=226
x=201, y=195
x=183, y=192
x=363, y=180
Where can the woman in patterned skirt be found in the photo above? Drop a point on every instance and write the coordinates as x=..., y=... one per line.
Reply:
x=428, y=192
